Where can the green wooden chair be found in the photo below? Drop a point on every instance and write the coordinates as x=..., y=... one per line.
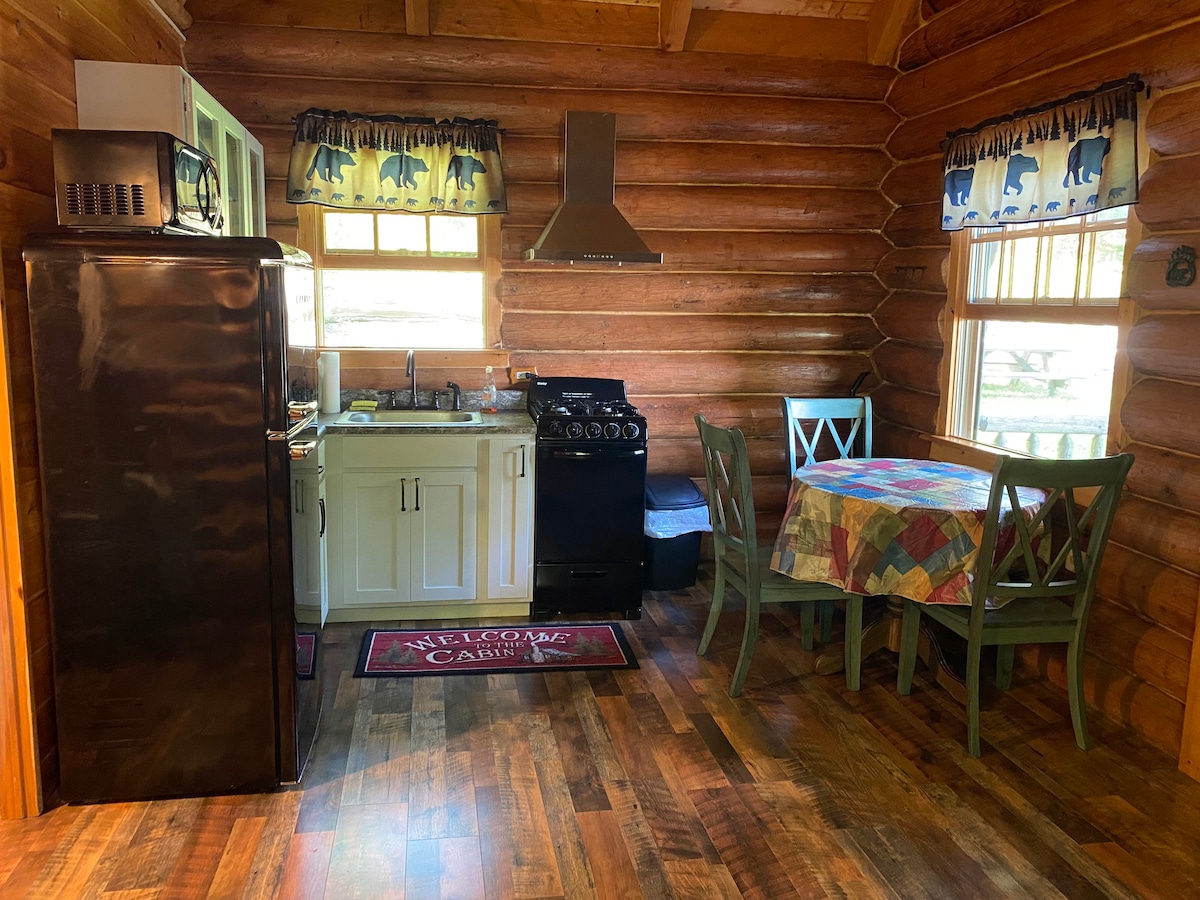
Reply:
x=743, y=564
x=1048, y=606
x=846, y=423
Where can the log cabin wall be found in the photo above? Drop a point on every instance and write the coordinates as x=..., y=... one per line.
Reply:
x=39, y=43
x=981, y=58
x=757, y=178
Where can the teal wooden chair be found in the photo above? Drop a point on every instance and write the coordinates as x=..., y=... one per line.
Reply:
x=844, y=422
x=1041, y=603
x=742, y=563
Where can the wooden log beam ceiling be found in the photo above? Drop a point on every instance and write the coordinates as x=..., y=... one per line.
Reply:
x=890, y=21
x=673, y=19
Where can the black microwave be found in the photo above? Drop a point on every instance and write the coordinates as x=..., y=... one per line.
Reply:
x=134, y=181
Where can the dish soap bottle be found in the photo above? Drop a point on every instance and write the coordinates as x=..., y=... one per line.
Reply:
x=489, y=391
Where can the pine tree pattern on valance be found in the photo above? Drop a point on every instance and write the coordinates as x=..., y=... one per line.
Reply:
x=1075, y=156
x=355, y=161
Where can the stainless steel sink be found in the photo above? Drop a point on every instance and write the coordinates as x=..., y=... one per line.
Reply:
x=411, y=418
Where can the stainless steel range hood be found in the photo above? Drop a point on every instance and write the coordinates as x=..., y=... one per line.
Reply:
x=587, y=227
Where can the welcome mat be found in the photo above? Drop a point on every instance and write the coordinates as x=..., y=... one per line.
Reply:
x=506, y=648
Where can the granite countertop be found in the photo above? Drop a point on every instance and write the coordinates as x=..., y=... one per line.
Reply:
x=506, y=421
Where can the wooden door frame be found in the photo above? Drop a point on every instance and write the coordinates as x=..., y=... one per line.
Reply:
x=19, y=787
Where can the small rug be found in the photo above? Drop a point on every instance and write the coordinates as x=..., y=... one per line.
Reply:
x=505, y=648
x=306, y=654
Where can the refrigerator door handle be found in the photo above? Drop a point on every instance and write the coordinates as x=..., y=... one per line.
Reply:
x=301, y=449
x=298, y=411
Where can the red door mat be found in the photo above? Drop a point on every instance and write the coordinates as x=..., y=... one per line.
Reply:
x=502, y=648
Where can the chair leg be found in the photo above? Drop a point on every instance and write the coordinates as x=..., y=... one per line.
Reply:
x=974, y=652
x=909, y=633
x=808, y=617
x=749, y=636
x=853, y=642
x=1075, y=694
x=714, y=611
x=826, y=607
x=1005, y=653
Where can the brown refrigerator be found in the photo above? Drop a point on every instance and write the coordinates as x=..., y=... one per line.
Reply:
x=175, y=381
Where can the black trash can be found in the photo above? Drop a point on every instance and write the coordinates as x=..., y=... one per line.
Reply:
x=676, y=515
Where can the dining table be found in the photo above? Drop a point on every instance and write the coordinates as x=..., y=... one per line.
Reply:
x=898, y=528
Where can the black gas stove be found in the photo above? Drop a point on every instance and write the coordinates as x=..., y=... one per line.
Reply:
x=589, y=497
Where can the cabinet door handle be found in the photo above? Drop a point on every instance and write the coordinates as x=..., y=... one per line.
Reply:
x=403, y=508
x=321, y=506
x=522, y=460
x=417, y=482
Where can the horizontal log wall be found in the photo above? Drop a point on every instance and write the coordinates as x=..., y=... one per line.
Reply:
x=38, y=45
x=981, y=58
x=758, y=179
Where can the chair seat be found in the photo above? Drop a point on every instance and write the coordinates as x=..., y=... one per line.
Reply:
x=1031, y=613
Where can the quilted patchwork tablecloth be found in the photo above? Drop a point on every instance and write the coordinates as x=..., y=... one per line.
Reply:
x=909, y=527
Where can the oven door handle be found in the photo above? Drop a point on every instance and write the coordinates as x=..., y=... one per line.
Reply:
x=593, y=454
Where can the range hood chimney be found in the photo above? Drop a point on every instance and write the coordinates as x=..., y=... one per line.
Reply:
x=587, y=227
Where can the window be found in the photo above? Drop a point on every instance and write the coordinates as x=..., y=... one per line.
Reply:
x=388, y=280
x=1036, y=307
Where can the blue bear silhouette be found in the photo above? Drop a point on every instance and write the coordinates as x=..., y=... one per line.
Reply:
x=297, y=194
x=402, y=169
x=327, y=162
x=391, y=201
x=958, y=185
x=1086, y=159
x=411, y=201
x=946, y=220
x=1115, y=193
x=1092, y=200
x=493, y=204
x=463, y=169
x=995, y=214
x=1053, y=206
x=1018, y=165
x=315, y=192
x=1011, y=210
x=971, y=216
x=338, y=197
x=470, y=204
x=359, y=198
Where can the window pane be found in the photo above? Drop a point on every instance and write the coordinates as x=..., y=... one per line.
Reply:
x=349, y=231
x=1022, y=269
x=1108, y=260
x=1063, y=263
x=985, y=272
x=394, y=308
x=402, y=233
x=453, y=236
x=1046, y=388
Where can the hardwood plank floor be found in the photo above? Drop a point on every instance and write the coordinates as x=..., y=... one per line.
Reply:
x=654, y=783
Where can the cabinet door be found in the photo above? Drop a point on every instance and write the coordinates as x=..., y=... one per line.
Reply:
x=377, y=524
x=509, y=518
x=443, y=535
x=308, y=546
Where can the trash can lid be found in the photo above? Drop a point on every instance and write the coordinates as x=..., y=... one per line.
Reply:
x=672, y=492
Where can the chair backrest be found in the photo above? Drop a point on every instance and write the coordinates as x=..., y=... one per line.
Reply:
x=844, y=420
x=730, y=494
x=1075, y=551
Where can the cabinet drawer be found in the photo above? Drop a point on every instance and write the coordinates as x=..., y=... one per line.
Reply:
x=409, y=451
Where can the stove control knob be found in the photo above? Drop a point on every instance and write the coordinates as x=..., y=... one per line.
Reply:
x=574, y=429
x=631, y=430
x=612, y=430
x=555, y=429
x=592, y=430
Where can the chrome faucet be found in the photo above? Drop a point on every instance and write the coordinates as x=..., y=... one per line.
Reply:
x=410, y=371
x=457, y=395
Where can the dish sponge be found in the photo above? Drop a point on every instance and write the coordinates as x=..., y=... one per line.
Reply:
x=363, y=405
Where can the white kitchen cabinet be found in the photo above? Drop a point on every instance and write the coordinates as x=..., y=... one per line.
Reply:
x=409, y=535
x=309, y=542
x=508, y=523
x=144, y=97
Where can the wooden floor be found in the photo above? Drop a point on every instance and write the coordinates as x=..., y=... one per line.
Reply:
x=654, y=783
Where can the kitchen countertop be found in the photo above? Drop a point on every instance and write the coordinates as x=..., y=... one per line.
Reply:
x=506, y=421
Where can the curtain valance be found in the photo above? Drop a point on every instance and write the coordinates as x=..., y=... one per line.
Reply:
x=391, y=162
x=1074, y=156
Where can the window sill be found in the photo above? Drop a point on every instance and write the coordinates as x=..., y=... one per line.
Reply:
x=946, y=448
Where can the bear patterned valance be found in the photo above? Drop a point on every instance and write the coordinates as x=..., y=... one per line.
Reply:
x=389, y=162
x=1074, y=156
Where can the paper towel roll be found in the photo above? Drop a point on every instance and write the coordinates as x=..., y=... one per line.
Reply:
x=329, y=378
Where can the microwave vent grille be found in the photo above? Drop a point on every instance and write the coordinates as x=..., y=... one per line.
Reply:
x=105, y=199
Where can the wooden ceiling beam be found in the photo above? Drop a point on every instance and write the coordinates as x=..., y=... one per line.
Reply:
x=176, y=13
x=890, y=21
x=673, y=19
x=416, y=17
